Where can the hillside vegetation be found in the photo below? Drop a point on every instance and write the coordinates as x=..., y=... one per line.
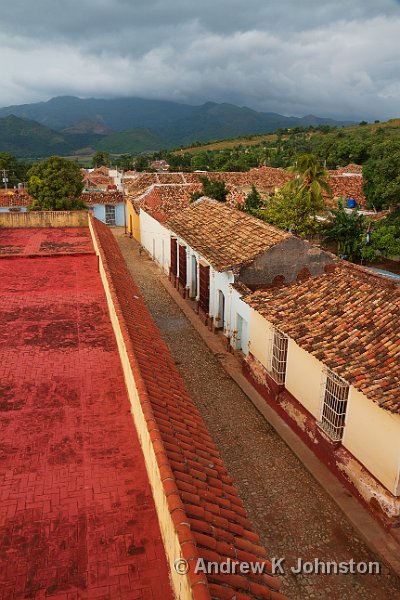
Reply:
x=135, y=125
x=331, y=145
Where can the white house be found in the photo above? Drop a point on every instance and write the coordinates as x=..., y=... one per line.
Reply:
x=216, y=248
x=148, y=213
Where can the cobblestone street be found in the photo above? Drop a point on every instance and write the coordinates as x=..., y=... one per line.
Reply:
x=294, y=516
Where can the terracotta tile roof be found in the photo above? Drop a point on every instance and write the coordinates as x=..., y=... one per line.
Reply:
x=349, y=320
x=351, y=168
x=347, y=186
x=15, y=198
x=96, y=181
x=170, y=178
x=138, y=185
x=163, y=201
x=266, y=180
x=223, y=235
x=208, y=514
x=101, y=171
x=92, y=198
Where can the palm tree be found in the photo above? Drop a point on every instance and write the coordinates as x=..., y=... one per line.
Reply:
x=310, y=178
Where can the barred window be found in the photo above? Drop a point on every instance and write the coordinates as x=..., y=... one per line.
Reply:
x=279, y=356
x=110, y=214
x=334, y=405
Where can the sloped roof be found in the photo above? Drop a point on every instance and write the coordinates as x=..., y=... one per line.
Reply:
x=208, y=515
x=92, y=198
x=163, y=201
x=347, y=186
x=14, y=198
x=350, y=168
x=224, y=236
x=349, y=320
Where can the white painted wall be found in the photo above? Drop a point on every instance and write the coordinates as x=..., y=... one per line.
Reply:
x=221, y=282
x=155, y=238
x=372, y=435
x=239, y=308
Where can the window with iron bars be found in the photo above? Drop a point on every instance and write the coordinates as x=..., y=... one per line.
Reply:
x=334, y=405
x=278, y=356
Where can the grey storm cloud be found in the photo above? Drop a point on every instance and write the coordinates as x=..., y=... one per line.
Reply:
x=330, y=58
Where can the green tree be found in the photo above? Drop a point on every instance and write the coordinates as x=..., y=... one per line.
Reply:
x=15, y=170
x=346, y=231
x=384, y=238
x=55, y=184
x=212, y=188
x=253, y=202
x=125, y=162
x=296, y=205
x=101, y=159
x=310, y=179
x=200, y=161
x=382, y=176
x=142, y=162
x=291, y=210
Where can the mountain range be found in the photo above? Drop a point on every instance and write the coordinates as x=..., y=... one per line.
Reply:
x=68, y=125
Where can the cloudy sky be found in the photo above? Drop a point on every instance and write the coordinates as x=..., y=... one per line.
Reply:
x=330, y=58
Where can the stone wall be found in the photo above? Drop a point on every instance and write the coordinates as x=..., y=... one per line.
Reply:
x=59, y=218
x=291, y=259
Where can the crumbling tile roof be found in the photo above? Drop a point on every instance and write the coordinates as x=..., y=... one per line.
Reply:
x=224, y=236
x=351, y=168
x=170, y=178
x=15, y=198
x=266, y=180
x=164, y=200
x=347, y=186
x=92, y=198
x=103, y=170
x=209, y=517
x=349, y=320
x=97, y=179
x=138, y=185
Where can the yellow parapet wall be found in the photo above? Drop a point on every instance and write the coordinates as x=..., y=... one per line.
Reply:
x=180, y=583
x=51, y=218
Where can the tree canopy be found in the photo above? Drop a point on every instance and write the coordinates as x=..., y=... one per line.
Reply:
x=55, y=184
x=101, y=159
x=310, y=180
x=382, y=176
x=14, y=168
x=253, y=202
x=346, y=231
x=213, y=188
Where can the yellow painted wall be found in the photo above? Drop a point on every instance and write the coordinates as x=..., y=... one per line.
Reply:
x=304, y=377
x=372, y=435
x=133, y=221
x=260, y=334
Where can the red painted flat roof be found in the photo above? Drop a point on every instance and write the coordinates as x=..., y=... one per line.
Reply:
x=45, y=241
x=77, y=517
